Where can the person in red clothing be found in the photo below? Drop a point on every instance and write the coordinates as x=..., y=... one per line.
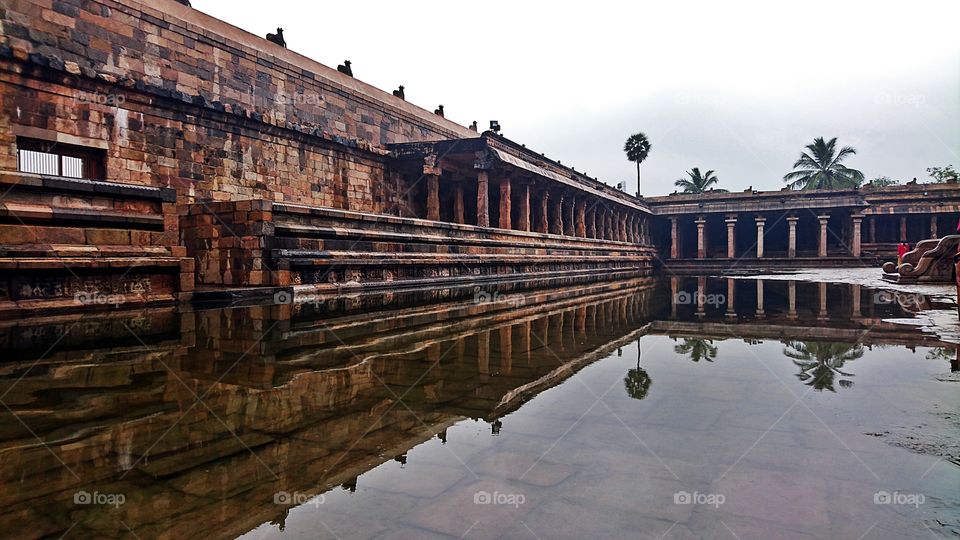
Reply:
x=902, y=248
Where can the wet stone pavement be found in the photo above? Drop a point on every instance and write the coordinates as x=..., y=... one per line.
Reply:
x=686, y=408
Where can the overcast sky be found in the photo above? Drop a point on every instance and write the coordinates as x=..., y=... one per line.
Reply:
x=738, y=87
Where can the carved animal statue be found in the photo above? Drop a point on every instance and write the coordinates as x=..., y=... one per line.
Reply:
x=185, y=2
x=399, y=93
x=473, y=125
x=277, y=38
x=345, y=68
x=439, y=111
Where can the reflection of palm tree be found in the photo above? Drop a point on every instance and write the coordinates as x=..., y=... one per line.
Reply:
x=697, y=348
x=637, y=383
x=820, y=362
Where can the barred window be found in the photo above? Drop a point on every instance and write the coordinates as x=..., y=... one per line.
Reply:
x=59, y=159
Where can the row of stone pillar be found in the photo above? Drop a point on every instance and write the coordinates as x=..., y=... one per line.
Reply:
x=558, y=212
x=731, y=221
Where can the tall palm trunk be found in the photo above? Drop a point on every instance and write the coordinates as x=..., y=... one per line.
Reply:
x=638, y=179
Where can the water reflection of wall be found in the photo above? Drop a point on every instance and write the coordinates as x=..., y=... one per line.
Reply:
x=199, y=418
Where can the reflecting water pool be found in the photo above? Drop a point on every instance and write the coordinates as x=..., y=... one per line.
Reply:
x=685, y=408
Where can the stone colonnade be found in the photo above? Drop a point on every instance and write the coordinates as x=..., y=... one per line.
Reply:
x=542, y=208
x=760, y=223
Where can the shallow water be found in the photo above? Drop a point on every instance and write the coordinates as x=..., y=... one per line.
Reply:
x=692, y=408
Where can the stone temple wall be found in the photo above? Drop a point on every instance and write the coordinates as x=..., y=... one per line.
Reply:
x=179, y=99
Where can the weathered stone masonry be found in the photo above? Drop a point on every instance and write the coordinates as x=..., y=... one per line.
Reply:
x=277, y=170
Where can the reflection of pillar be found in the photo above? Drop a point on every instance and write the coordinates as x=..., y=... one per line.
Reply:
x=524, y=215
x=731, y=222
x=731, y=312
x=505, y=202
x=543, y=223
x=433, y=197
x=556, y=321
x=933, y=226
x=458, y=203
x=792, y=236
x=483, y=352
x=542, y=331
x=855, y=247
x=674, y=247
x=760, y=222
x=701, y=296
x=581, y=217
x=674, y=290
x=701, y=244
x=525, y=341
x=903, y=228
x=506, y=349
x=823, y=301
x=760, y=298
x=822, y=246
x=580, y=322
x=483, y=201
x=855, y=300
x=433, y=353
x=791, y=299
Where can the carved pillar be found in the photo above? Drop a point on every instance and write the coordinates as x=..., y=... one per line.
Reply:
x=433, y=197
x=458, y=215
x=505, y=203
x=873, y=229
x=623, y=226
x=760, y=223
x=581, y=218
x=432, y=171
x=543, y=219
x=903, y=228
x=592, y=223
x=701, y=244
x=557, y=226
x=792, y=236
x=569, y=226
x=855, y=244
x=524, y=216
x=731, y=222
x=483, y=199
x=674, y=238
x=933, y=226
x=822, y=246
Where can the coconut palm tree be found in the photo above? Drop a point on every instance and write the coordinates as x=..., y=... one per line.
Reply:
x=821, y=168
x=697, y=348
x=698, y=183
x=820, y=362
x=637, y=148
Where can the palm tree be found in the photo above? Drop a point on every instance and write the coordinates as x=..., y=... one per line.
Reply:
x=821, y=167
x=698, y=183
x=637, y=148
x=697, y=348
x=820, y=362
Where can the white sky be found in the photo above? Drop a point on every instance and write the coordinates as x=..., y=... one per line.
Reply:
x=739, y=87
